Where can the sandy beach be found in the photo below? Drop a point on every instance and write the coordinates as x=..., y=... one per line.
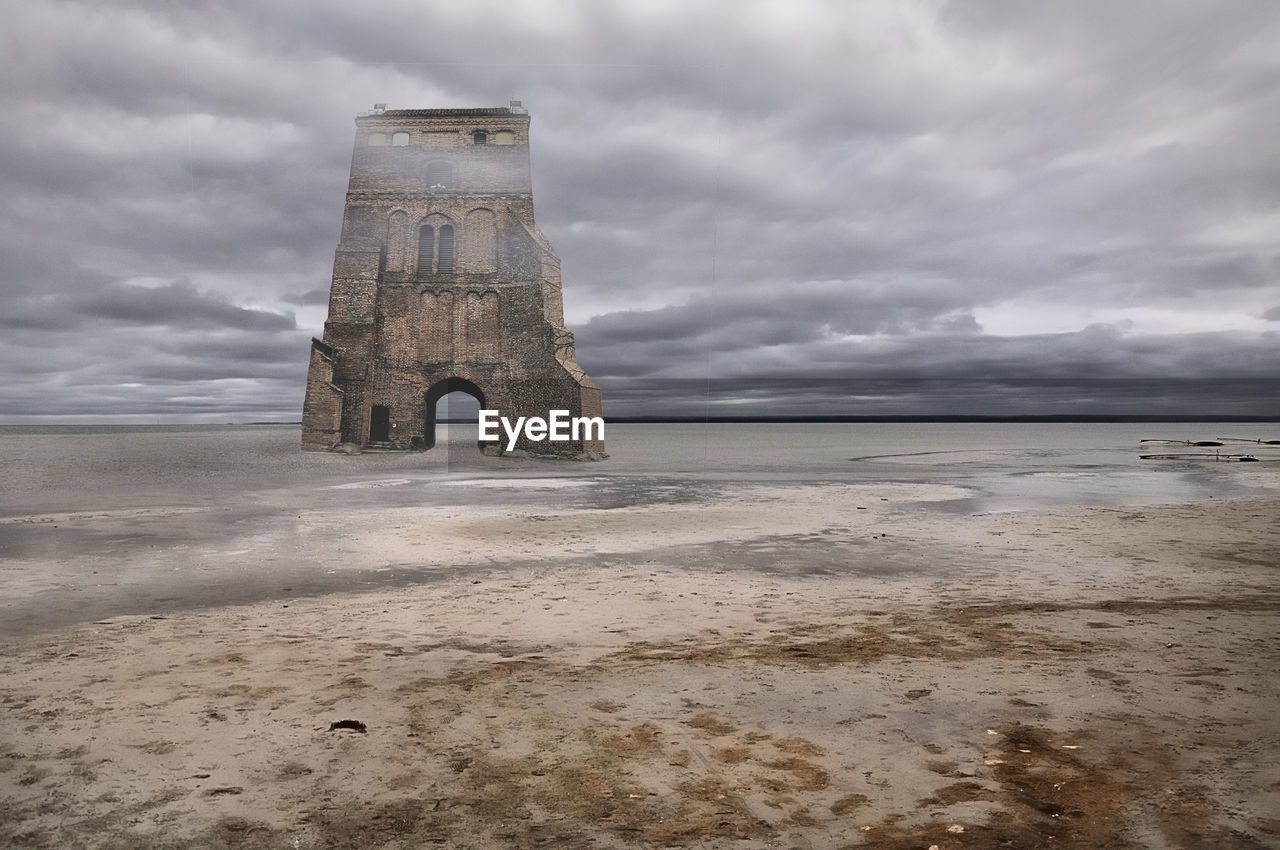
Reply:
x=771, y=664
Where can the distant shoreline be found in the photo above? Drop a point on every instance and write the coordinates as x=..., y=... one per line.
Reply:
x=796, y=420
x=730, y=420
x=819, y=420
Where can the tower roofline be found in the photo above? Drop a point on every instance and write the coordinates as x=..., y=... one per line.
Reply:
x=380, y=111
x=436, y=113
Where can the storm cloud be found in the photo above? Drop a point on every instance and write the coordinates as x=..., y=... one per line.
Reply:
x=743, y=195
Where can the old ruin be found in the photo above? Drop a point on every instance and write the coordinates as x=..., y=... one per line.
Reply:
x=442, y=282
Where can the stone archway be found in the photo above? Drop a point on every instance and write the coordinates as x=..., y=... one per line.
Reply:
x=437, y=391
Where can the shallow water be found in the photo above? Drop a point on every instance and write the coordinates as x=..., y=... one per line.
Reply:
x=1008, y=466
x=100, y=522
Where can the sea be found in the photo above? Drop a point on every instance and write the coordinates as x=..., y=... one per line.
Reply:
x=1008, y=466
x=103, y=521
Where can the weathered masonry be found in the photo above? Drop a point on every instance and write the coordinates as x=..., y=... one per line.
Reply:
x=442, y=282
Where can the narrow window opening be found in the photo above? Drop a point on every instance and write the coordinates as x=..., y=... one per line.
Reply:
x=426, y=248
x=504, y=137
x=400, y=140
x=446, y=249
x=480, y=137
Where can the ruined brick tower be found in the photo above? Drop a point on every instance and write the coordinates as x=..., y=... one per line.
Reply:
x=442, y=282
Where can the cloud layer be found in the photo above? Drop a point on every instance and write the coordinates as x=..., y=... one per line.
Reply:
x=754, y=191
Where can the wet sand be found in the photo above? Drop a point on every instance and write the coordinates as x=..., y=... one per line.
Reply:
x=747, y=665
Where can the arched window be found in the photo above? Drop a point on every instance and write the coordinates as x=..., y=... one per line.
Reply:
x=445, y=255
x=377, y=140
x=480, y=137
x=504, y=137
x=439, y=175
x=426, y=248
x=436, y=250
x=400, y=140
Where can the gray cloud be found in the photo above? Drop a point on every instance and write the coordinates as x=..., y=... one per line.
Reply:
x=933, y=397
x=310, y=297
x=178, y=305
x=811, y=189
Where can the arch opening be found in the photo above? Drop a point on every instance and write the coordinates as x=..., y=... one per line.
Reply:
x=461, y=402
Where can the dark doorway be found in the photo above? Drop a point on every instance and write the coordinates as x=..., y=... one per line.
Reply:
x=439, y=391
x=379, y=424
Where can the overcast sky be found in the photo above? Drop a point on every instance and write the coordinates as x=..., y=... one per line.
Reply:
x=786, y=198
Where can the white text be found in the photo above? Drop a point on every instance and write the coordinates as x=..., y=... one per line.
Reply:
x=559, y=427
